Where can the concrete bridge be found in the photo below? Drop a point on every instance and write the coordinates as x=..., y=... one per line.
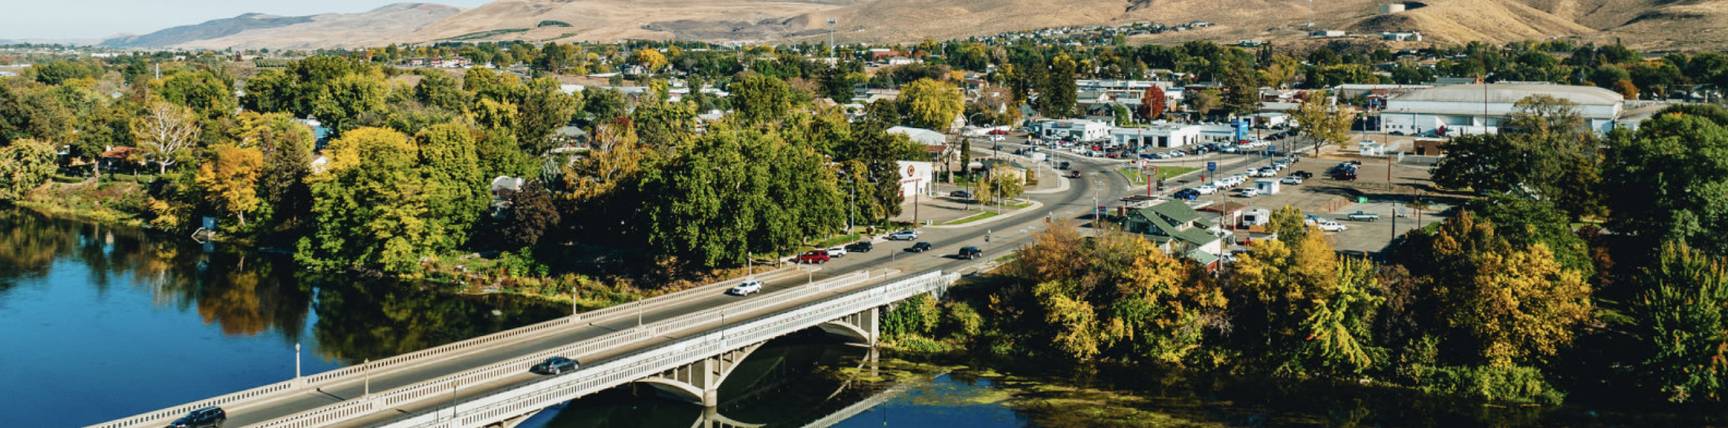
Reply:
x=685, y=344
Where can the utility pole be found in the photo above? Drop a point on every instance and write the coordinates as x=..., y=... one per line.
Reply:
x=367, y=368
x=296, y=361
x=831, y=57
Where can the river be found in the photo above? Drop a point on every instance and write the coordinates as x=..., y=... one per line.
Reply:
x=98, y=323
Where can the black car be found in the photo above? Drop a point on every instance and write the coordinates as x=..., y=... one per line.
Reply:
x=1187, y=194
x=970, y=253
x=860, y=247
x=1304, y=174
x=960, y=194
x=919, y=247
x=554, y=365
x=201, y=418
x=1063, y=165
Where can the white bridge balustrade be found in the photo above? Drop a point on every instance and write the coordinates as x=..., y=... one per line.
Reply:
x=653, y=362
x=356, y=373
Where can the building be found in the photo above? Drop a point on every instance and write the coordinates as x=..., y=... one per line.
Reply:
x=1476, y=109
x=1158, y=134
x=916, y=178
x=920, y=135
x=1401, y=36
x=1176, y=229
x=1391, y=8
x=1071, y=129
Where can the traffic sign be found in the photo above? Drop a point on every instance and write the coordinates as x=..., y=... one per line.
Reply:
x=1211, y=167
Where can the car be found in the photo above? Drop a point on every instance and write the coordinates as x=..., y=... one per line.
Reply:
x=919, y=247
x=1265, y=172
x=1063, y=165
x=204, y=417
x=860, y=247
x=1206, y=189
x=998, y=131
x=748, y=287
x=1302, y=174
x=1291, y=180
x=1331, y=226
x=837, y=252
x=813, y=257
x=1362, y=216
x=1312, y=219
x=1228, y=149
x=970, y=253
x=904, y=235
x=1186, y=194
x=1248, y=192
x=554, y=366
x=960, y=194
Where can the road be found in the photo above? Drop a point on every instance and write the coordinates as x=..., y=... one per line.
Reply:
x=1006, y=234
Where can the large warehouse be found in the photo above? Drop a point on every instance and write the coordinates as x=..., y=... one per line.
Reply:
x=1475, y=109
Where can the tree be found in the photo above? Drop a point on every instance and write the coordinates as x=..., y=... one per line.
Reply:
x=1311, y=311
x=1663, y=183
x=836, y=84
x=530, y=216
x=544, y=109
x=230, y=179
x=369, y=209
x=1288, y=224
x=1057, y=96
x=650, y=59
x=1682, y=324
x=760, y=98
x=287, y=146
x=455, y=192
x=438, y=89
x=1242, y=91
x=271, y=91
x=201, y=91
x=932, y=104
x=164, y=133
x=24, y=164
x=27, y=111
x=1152, y=103
x=1204, y=101
x=340, y=104
x=1323, y=123
x=1280, y=72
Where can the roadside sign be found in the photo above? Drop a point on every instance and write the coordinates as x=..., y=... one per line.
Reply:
x=1211, y=167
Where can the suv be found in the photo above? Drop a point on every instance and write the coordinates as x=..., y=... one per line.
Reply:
x=837, y=252
x=813, y=257
x=919, y=247
x=554, y=366
x=861, y=247
x=748, y=287
x=206, y=417
x=1063, y=165
x=970, y=253
x=904, y=235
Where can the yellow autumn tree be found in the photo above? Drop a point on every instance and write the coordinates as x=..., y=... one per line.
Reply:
x=1523, y=305
x=230, y=179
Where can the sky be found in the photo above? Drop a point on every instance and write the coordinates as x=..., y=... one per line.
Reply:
x=90, y=19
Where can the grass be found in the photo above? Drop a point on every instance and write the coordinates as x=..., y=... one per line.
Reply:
x=972, y=218
x=837, y=240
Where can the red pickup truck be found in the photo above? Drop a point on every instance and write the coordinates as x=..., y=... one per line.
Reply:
x=813, y=257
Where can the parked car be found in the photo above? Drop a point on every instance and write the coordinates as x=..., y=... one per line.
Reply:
x=970, y=253
x=1074, y=173
x=1063, y=165
x=1363, y=216
x=860, y=247
x=748, y=287
x=1302, y=174
x=212, y=417
x=837, y=252
x=904, y=235
x=1206, y=189
x=554, y=366
x=1186, y=194
x=813, y=257
x=919, y=247
x=1291, y=180
x=960, y=194
x=1332, y=226
x=1248, y=192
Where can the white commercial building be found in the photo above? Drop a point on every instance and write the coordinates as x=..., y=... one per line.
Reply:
x=1072, y=129
x=1160, y=134
x=916, y=178
x=1475, y=109
x=921, y=135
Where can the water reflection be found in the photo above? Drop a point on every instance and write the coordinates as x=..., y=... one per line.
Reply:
x=76, y=295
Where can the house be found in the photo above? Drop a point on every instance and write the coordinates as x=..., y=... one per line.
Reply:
x=1401, y=36
x=119, y=157
x=1176, y=228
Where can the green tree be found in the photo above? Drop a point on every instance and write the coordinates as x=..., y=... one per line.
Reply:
x=438, y=89
x=1682, y=322
x=1323, y=123
x=1665, y=182
x=1242, y=91
x=932, y=104
x=28, y=111
x=271, y=91
x=24, y=164
x=201, y=91
x=455, y=191
x=760, y=98
x=544, y=108
x=1057, y=96
x=369, y=206
x=1204, y=101
x=287, y=149
x=341, y=104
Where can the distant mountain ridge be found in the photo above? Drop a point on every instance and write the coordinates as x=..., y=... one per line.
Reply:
x=1648, y=24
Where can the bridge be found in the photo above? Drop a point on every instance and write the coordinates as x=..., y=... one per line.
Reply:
x=484, y=381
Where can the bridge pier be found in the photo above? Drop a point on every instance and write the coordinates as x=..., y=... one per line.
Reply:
x=699, y=382
x=863, y=327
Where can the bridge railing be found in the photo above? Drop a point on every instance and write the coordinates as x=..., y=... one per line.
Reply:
x=354, y=372
x=525, y=398
x=439, y=387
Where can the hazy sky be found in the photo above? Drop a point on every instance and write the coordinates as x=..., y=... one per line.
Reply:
x=61, y=19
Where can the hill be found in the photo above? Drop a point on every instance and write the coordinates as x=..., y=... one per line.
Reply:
x=379, y=26
x=1650, y=24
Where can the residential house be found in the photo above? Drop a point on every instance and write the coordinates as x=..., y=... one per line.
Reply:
x=1178, y=230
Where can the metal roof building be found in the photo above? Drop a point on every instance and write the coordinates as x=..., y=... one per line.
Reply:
x=1479, y=108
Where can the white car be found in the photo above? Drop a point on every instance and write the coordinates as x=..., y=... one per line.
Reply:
x=1332, y=226
x=1291, y=180
x=1206, y=189
x=748, y=287
x=837, y=252
x=1249, y=193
